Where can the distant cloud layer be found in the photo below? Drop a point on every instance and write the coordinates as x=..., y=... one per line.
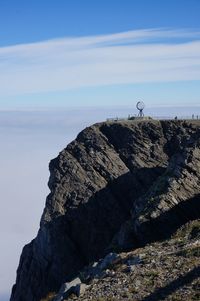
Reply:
x=151, y=55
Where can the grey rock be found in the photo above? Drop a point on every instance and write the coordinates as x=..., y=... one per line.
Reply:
x=117, y=186
x=68, y=288
x=99, y=269
x=107, y=261
x=73, y=287
x=134, y=261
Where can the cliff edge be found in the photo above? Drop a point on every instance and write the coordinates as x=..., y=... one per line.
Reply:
x=119, y=186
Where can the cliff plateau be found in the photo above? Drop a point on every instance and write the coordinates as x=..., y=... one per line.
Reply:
x=118, y=187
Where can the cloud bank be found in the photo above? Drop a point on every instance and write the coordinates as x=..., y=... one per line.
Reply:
x=139, y=56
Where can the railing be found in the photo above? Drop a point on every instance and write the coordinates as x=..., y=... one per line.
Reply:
x=197, y=117
x=132, y=118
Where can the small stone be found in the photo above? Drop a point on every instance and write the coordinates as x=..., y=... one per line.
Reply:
x=137, y=283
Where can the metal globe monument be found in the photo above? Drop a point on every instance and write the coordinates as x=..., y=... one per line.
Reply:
x=140, y=106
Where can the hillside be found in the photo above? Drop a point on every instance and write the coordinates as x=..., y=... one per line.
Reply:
x=126, y=188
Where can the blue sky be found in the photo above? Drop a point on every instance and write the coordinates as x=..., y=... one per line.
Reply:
x=31, y=21
x=73, y=53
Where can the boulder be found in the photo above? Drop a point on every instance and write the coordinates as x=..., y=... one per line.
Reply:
x=73, y=287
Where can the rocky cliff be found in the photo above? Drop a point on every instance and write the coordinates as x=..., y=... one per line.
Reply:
x=119, y=186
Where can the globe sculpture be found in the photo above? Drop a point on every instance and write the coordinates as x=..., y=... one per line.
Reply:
x=140, y=106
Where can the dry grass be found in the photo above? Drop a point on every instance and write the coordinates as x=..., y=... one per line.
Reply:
x=49, y=297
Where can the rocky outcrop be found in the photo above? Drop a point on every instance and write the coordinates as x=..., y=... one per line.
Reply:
x=118, y=186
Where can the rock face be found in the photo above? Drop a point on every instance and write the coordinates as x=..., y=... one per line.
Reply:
x=118, y=186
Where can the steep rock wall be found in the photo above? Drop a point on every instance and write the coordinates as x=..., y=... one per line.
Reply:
x=100, y=181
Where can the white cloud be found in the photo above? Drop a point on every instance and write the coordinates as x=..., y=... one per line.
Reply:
x=151, y=55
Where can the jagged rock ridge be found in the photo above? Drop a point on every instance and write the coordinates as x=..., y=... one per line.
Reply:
x=117, y=186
